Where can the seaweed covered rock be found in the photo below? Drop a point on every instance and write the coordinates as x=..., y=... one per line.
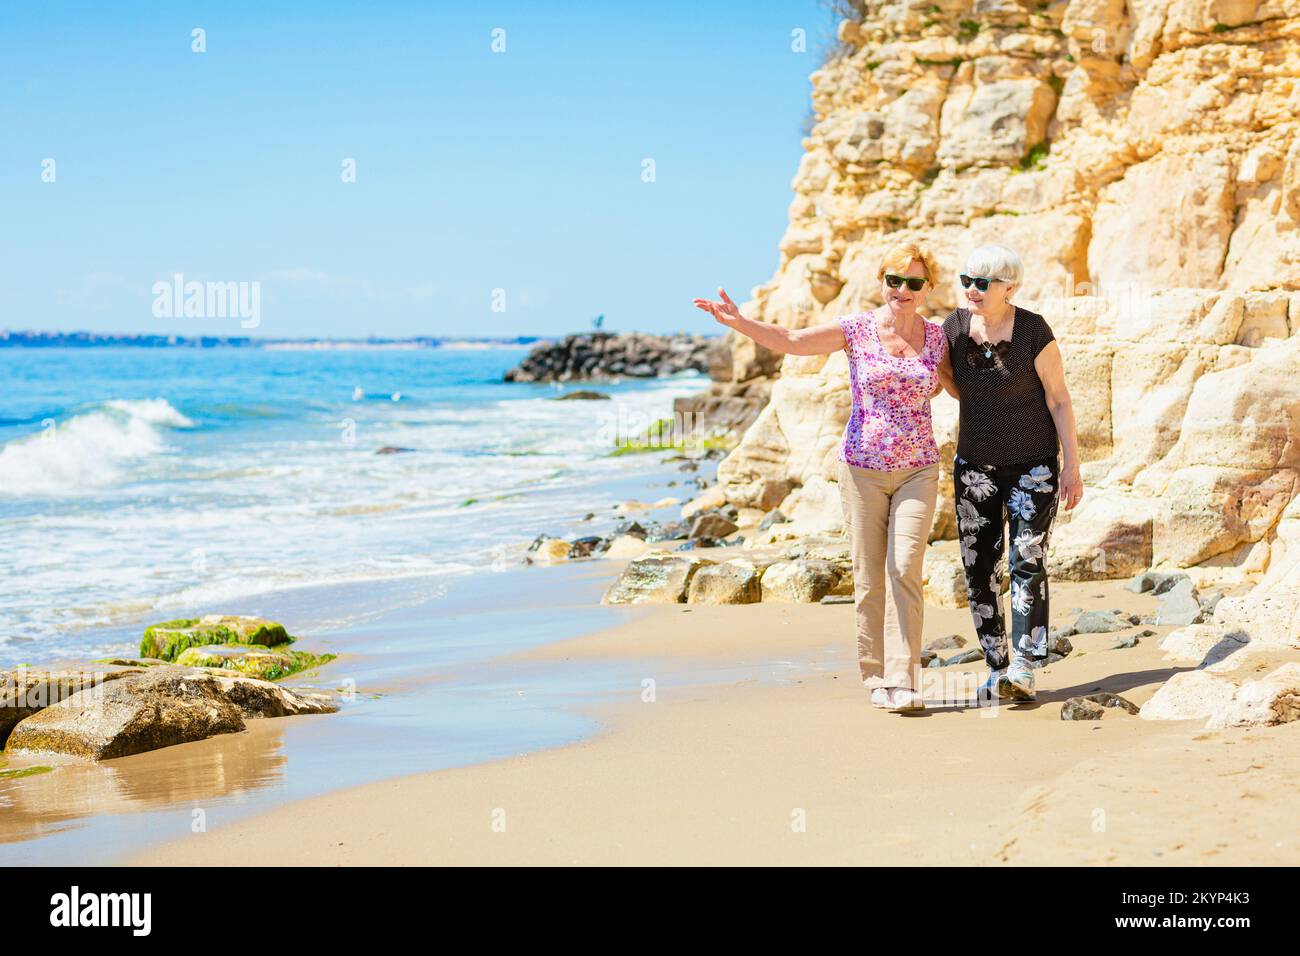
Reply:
x=170, y=638
x=252, y=660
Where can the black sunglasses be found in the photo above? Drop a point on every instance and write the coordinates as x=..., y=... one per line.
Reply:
x=981, y=282
x=915, y=283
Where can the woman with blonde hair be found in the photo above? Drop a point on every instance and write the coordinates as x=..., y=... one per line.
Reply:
x=888, y=459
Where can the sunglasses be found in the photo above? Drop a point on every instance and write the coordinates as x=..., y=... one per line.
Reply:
x=914, y=283
x=981, y=282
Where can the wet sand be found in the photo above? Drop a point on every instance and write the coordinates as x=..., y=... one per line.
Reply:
x=740, y=735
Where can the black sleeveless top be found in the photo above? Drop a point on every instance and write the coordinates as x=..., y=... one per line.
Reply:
x=1003, y=419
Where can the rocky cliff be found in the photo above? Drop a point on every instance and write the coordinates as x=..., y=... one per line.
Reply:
x=1143, y=158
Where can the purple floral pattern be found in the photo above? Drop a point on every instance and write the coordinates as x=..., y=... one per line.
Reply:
x=889, y=428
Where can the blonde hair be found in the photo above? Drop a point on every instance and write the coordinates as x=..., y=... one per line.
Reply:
x=898, y=258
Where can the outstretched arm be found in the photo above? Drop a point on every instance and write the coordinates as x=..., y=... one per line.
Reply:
x=815, y=340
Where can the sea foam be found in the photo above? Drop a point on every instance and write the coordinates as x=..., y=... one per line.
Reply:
x=89, y=450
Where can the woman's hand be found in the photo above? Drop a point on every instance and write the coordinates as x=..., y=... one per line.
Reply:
x=1071, y=485
x=725, y=311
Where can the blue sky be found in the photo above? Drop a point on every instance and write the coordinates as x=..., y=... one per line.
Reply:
x=475, y=171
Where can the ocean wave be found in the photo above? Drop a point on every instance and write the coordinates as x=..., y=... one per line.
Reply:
x=89, y=450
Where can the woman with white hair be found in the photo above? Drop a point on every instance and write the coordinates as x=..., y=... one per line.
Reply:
x=1015, y=410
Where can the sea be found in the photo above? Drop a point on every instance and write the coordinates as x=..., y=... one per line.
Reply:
x=141, y=484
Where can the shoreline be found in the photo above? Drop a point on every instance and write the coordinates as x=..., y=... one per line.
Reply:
x=759, y=726
x=424, y=655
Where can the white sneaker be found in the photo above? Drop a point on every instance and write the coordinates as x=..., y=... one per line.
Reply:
x=903, y=699
x=880, y=698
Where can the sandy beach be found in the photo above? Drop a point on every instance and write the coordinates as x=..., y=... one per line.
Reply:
x=759, y=747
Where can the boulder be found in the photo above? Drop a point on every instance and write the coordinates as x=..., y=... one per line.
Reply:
x=1179, y=603
x=1100, y=622
x=154, y=708
x=252, y=660
x=26, y=690
x=168, y=639
x=661, y=577
x=945, y=578
x=1271, y=700
x=713, y=525
x=257, y=699
x=1187, y=696
x=731, y=582
x=1209, y=646
x=801, y=581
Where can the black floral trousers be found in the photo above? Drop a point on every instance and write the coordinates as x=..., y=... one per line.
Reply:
x=992, y=500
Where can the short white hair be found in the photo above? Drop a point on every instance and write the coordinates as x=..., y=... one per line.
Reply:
x=996, y=262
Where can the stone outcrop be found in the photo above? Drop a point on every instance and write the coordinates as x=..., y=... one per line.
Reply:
x=149, y=708
x=1193, y=695
x=801, y=572
x=602, y=356
x=1143, y=158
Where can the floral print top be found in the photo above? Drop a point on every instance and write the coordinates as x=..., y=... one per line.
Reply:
x=889, y=428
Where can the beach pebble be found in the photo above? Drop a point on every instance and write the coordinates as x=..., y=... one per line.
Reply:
x=772, y=517
x=972, y=656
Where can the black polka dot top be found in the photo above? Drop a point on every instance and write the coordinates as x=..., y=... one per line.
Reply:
x=1004, y=419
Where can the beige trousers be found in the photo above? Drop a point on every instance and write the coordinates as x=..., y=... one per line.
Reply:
x=887, y=515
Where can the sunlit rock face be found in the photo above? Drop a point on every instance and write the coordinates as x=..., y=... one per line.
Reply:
x=1142, y=157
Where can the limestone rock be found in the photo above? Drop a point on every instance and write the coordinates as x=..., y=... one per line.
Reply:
x=26, y=690
x=731, y=582
x=660, y=577
x=801, y=581
x=1188, y=695
x=945, y=578
x=153, y=708
x=1272, y=700
x=1144, y=160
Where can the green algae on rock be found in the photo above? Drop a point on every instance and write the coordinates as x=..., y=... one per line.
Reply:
x=170, y=638
x=265, y=663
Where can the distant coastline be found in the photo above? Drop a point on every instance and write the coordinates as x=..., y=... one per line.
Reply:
x=34, y=339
